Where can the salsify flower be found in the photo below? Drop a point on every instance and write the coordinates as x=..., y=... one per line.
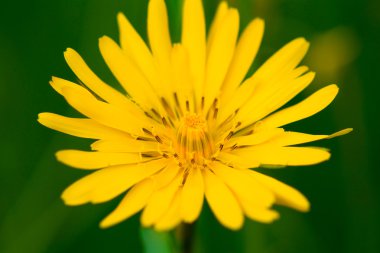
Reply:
x=190, y=126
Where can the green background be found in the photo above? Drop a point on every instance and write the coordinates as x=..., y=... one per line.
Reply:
x=344, y=191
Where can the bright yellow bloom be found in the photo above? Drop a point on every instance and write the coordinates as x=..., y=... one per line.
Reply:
x=191, y=125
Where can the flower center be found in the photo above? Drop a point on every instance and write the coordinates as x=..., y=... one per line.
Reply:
x=194, y=143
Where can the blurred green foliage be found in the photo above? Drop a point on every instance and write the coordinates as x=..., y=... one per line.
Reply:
x=344, y=191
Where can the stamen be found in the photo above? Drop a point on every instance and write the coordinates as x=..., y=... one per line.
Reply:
x=187, y=105
x=216, y=113
x=147, y=132
x=156, y=113
x=167, y=107
x=177, y=103
x=165, y=122
x=158, y=139
x=141, y=138
x=230, y=134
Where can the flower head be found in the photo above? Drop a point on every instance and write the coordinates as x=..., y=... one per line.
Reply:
x=190, y=126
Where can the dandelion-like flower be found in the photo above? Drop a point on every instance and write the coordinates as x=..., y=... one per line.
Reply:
x=190, y=126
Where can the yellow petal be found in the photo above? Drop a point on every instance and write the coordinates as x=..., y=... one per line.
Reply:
x=283, y=61
x=235, y=160
x=126, y=145
x=158, y=32
x=256, y=137
x=85, y=128
x=91, y=80
x=194, y=40
x=263, y=105
x=292, y=156
x=123, y=103
x=294, y=138
x=164, y=177
x=135, y=48
x=160, y=202
x=306, y=108
x=103, y=113
x=216, y=23
x=247, y=191
x=105, y=184
x=245, y=53
x=172, y=217
x=285, y=195
x=260, y=214
x=127, y=74
x=222, y=202
x=220, y=55
x=252, y=97
x=182, y=80
x=96, y=160
x=134, y=201
x=192, y=196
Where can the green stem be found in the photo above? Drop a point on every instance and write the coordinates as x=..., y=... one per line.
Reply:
x=157, y=242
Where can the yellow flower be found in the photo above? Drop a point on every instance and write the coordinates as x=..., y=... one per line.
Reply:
x=191, y=125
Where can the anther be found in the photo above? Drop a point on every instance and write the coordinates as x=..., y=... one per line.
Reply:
x=238, y=124
x=202, y=103
x=188, y=105
x=167, y=107
x=156, y=113
x=165, y=122
x=147, y=131
x=165, y=155
x=158, y=139
x=216, y=113
x=221, y=146
x=230, y=134
x=177, y=103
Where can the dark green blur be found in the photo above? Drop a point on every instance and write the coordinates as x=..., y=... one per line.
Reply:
x=344, y=192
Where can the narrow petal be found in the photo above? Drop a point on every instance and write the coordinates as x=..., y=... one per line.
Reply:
x=192, y=196
x=164, y=177
x=283, y=61
x=308, y=107
x=135, y=48
x=255, y=138
x=182, y=78
x=285, y=195
x=194, y=40
x=160, y=202
x=126, y=145
x=84, y=128
x=91, y=80
x=222, y=202
x=172, y=217
x=105, y=184
x=216, y=23
x=124, y=103
x=294, y=138
x=134, y=201
x=96, y=160
x=246, y=50
x=127, y=74
x=158, y=32
x=103, y=113
x=234, y=160
x=266, y=104
x=248, y=191
x=220, y=55
x=290, y=156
